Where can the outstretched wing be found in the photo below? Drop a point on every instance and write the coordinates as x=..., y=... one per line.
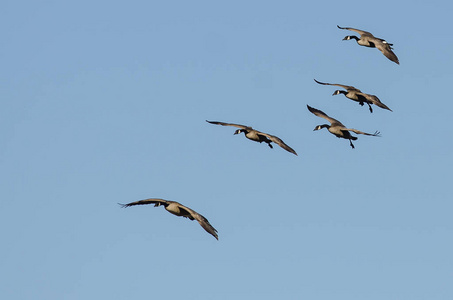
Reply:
x=201, y=220
x=386, y=49
x=377, y=133
x=146, y=201
x=278, y=141
x=321, y=114
x=361, y=32
x=346, y=87
x=375, y=100
x=229, y=124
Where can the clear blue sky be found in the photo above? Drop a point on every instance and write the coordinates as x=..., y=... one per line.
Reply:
x=105, y=102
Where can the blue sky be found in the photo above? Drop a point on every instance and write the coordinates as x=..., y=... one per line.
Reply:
x=105, y=102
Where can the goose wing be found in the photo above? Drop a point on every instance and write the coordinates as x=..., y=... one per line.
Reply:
x=146, y=201
x=278, y=141
x=201, y=220
x=377, y=133
x=229, y=124
x=375, y=100
x=361, y=32
x=386, y=49
x=346, y=87
x=321, y=114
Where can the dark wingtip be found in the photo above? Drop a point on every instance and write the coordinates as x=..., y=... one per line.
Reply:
x=214, y=233
x=291, y=150
x=122, y=205
x=319, y=82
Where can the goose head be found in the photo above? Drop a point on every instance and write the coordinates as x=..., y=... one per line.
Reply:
x=349, y=37
x=318, y=127
x=239, y=131
x=337, y=92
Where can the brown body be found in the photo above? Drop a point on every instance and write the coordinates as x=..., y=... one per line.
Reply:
x=357, y=95
x=179, y=210
x=256, y=135
x=368, y=40
x=337, y=128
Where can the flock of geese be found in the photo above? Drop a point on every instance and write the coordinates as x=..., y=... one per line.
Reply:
x=336, y=127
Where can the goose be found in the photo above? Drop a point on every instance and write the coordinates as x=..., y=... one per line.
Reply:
x=179, y=210
x=256, y=135
x=357, y=95
x=337, y=128
x=368, y=40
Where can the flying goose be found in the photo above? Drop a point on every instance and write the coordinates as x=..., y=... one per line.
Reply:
x=337, y=128
x=368, y=40
x=357, y=95
x=256, y=135
x=179, y=210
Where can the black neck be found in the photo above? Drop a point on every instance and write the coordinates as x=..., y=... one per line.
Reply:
x=337, y=92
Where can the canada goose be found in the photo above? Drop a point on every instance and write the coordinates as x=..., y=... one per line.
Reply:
x=179, y=210
x=357, y=95
x=368, y=40
x=256, y=135
x=336, y=127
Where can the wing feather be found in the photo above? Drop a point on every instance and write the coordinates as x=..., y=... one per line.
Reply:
x=385, y=48
x=278, y=141
x=201, y=220
x=145, y=201
x=377, y=133
x=229, y=124
x=347, y=87
x=375, y=100
x=361, y=32
x=321, y=114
